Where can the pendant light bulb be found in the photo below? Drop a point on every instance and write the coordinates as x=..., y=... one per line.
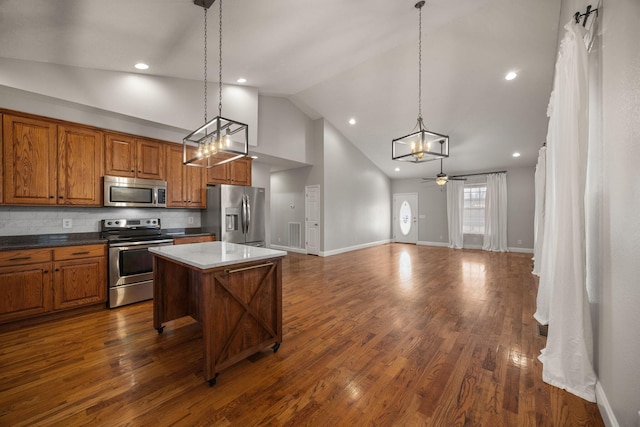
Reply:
x=227, y=139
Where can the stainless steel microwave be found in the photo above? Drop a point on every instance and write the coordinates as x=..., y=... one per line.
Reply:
x=134, y=192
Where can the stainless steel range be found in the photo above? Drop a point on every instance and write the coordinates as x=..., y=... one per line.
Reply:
x=130, y=263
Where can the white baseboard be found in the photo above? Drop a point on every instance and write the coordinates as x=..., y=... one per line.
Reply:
x=354, y=248
x=472, y=247
x=424, y=243
x=605, y=408
x=288, y=249
x=522, y=250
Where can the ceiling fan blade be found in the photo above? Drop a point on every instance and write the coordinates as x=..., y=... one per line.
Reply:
x=428, y=179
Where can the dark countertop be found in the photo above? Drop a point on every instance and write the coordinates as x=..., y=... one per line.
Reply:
x=71, y=239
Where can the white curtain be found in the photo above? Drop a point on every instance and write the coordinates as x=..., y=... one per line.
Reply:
x=455, y=213
x=538, y=218
x=562, y=297
x=495, y=213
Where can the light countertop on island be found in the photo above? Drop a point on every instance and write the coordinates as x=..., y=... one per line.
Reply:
x=215, y=254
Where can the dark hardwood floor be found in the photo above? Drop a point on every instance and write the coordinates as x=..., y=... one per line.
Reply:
x=394, y=335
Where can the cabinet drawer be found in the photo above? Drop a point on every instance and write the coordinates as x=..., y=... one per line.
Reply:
x=194, y=239
x=26, y=256
x=74, y=252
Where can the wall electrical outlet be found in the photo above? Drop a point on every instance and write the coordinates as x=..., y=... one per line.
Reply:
x=67, y=223
x=519, y=241
x=190, y=220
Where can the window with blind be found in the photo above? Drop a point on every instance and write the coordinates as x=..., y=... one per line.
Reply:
x=473, y=219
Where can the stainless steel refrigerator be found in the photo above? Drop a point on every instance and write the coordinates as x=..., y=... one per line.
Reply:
x=235, y=214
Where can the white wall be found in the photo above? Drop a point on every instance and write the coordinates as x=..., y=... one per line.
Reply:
x=432, y=204
x=170, y=102
x=283, y=130
x=288, y=203
x=618, y=227
x=357, y=196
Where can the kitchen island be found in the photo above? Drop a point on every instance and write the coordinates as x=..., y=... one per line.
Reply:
x=233, y=290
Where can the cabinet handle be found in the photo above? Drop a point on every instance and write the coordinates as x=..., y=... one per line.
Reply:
x=20, y=258
x=80, y=253
x=45, y=271
x=57, y=269
x=61, y=197
x=51, y=197
x=237, y=270
x=132, y=170
x=139, y=171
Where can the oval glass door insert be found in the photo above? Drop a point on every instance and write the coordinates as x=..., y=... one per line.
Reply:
x=405, y=218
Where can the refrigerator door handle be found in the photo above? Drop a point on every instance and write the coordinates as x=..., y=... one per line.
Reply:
x=243, y=214
x=248, y=214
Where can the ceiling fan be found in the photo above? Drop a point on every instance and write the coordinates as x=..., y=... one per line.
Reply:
x=442, y=178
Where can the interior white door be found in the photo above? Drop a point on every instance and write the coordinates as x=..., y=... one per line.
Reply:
x=312, y=219
x=405, y=218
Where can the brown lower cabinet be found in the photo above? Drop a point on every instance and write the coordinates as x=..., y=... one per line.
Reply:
x=39, y=281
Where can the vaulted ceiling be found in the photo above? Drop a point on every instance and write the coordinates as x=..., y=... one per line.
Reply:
x=337, y=59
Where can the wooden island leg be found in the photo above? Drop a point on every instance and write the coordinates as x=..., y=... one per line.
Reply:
x=204, y=289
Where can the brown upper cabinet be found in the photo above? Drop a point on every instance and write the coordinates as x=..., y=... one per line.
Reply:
x=46, y=163
x=236, y=172
x=134, y=157
x=185, y=184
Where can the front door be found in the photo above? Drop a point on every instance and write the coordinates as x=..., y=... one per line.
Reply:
x=405, y=218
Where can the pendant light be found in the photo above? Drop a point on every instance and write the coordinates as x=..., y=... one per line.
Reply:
x=421, y=145
x=207, y=145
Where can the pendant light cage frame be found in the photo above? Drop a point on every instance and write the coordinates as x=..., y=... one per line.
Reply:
x=422, y=145
x=220, y=140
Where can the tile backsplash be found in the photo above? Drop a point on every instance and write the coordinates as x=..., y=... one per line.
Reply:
x=21, y=220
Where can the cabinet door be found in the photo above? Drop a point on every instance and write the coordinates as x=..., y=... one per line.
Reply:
x=175, y=188
x=79, y=282
x=240, y=171
x=29, y=149
x=218, y=174
x=1, y=163
x=120, y=155
x=195, y=186
x=25, y=290
x=79, y=166
x=150, y=159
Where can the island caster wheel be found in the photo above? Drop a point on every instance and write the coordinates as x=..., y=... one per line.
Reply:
x=213, y=381
x=275, y=347
x=160, y=329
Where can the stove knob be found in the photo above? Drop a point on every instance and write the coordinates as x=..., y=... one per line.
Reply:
x=148, y=222
x=117, y=222
x=109, y=223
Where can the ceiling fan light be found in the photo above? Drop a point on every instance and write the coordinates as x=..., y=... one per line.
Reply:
x=441, y=180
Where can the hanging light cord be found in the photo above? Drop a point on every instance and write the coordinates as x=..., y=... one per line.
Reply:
x=220, y=62
x=420, y=63
x=205, y=65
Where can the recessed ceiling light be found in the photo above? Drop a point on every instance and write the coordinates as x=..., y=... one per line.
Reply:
x=511, y=75
x=241, y=80
x=141, y=66
x=254, y=157
x=516, y=154
x=352, y=121
x=397, y=169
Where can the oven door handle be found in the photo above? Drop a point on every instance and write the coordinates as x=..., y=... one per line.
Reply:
x=141, y=245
